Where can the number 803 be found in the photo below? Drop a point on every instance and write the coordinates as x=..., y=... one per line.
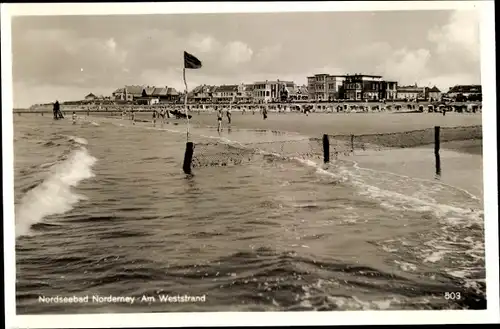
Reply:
x=452, y=295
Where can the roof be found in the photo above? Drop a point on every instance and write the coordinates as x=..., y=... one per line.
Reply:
x=434, y=89
x=364, y=75
x=302, y=90
x=291, y=91
x=326, y=75
x=198, y=89
x=466, y=88
x=148, y=90
x=159, y=91
x=119, y=91
x=410, y=89
x=90, y=95
x=224, y=88
x=172, y=92
x=134, y=89
x=204, y=89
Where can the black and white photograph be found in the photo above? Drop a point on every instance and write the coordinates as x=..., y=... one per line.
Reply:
x=180, y=160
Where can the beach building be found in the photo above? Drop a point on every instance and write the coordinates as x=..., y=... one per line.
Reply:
x=467, y=91
x=128, y=93
x=225, y=93
x=359, y=87
x=271, y=90
x=146, y=94
x=118, y=94
x=389, y=90
x=261, y=92
x=282, y=90
x=300, y=93
x=202, y=93
x=434, y=94
x=172, y=95
x=411, y=93
x=325, y=86
x=90, y=97
x=152, y=95
x=244, y=93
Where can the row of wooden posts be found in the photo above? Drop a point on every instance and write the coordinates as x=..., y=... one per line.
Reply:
x=188, y=155
x=437, y=130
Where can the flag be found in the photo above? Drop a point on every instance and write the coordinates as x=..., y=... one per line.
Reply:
x=191, y=62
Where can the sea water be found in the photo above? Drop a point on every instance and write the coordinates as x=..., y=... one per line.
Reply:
x=103, y=209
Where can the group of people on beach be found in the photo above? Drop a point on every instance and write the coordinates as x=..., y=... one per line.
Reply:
x=219, y=118
x=57, y=111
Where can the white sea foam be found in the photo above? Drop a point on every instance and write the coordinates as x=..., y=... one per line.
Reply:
x=437, y=184
x=54, y=195
x=78, y=140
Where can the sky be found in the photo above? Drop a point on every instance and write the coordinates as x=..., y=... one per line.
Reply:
x=67, y=57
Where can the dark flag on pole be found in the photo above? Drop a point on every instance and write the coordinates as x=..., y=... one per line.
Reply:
x=191, y=62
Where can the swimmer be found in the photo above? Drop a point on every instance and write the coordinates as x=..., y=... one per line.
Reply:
x=228, y=114
x=74, y=118
x=219, y=119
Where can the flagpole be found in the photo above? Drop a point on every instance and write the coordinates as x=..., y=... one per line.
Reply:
x=185, y=102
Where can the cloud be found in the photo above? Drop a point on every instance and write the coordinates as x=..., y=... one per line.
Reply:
x=269, y=53
x=203, y=44
x=406, y=66
x=451, y=57
x=113, y=51
x=459, y=37
x=57, y=57
x=237, y=52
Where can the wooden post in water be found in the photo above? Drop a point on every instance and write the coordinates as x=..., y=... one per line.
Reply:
x=188, y=157
x=326, y=148
x=436, y=150
x=352, y=143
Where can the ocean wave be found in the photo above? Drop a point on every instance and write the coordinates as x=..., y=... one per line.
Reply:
x=54, y=195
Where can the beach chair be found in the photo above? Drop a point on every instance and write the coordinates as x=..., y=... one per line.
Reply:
x=430, y=108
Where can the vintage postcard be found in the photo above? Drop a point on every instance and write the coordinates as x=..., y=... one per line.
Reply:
x=200, y=164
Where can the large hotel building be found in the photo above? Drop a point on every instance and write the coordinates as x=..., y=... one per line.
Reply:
x=355, y=87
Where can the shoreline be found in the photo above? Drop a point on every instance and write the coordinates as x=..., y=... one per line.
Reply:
x=462, y=134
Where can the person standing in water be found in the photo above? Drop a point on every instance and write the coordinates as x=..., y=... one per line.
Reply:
x=219, y=119
x=74, y=117
x=264, y=113
x=133, y=117
x=228, y=114
x=55, y=109
x=154, y=118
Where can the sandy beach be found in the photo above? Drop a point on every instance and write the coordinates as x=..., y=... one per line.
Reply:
x=317, y=124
